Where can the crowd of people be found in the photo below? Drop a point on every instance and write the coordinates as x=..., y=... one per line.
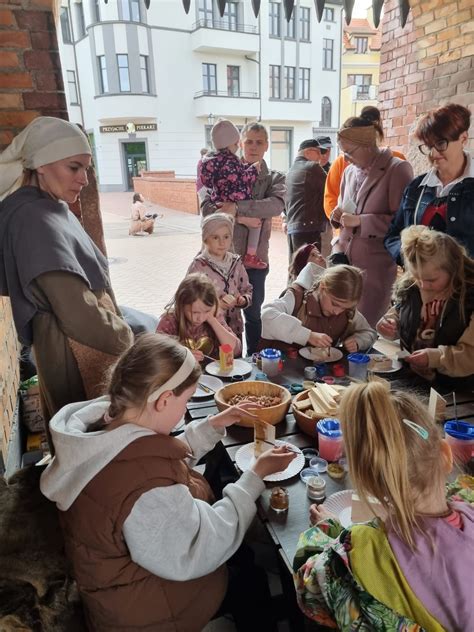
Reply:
x=141, y=526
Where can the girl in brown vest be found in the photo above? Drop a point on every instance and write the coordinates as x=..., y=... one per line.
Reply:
x=319, y=310
x=147, y=545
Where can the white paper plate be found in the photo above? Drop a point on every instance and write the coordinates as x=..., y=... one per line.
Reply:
x=245, y=458
x=321, y=355
x=214, y=383
x=396, y=365
x=240, y=368
x=340, y=504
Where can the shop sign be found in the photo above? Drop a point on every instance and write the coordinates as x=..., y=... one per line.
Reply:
x=131, y=128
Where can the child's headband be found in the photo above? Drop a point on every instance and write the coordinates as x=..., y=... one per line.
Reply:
x=178, y=378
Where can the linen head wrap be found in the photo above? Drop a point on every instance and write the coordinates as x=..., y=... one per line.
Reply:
x=363, y=136
x=213, y=222
x=45, y=140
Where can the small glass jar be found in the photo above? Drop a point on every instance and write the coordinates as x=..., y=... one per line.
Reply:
x=316, y=488
x=279, y=499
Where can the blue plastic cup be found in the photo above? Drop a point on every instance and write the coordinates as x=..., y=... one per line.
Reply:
x=358, y=365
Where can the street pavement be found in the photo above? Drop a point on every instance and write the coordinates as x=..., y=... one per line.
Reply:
x=146, y=271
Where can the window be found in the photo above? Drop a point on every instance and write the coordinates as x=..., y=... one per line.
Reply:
x=305, y=15
x=124, y=75
x=328, y=15
x=65, y=28
x=72, y=87
x=328, y=54
x=131, y=10
x=280, y=148
x=274, y=8
x=326, y=112
x=81, y=25
x=304, y=74
x=289, y=86
x=205, y=13
x=103, y=81
x=361, y=44
x=95, y=10
x=290, y=27
x=275, y=73
x=209, y=78
x=233, y=81
x=230, y=19
x=144, y=73
x=363, y=83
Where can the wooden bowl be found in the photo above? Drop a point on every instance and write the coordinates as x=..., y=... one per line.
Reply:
x=270, y=414
x=306, y=423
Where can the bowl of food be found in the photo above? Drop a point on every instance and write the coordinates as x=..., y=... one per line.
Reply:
x=314, y=404
x=273, y=400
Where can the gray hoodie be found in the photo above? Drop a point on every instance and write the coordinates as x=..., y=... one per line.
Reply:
x=168, y=532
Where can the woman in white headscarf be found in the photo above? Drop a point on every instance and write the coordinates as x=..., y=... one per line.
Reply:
x=57, y=279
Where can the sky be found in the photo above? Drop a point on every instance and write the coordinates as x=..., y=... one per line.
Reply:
x=360, y=7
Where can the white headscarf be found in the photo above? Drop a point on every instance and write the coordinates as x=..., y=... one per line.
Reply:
x=43, y=141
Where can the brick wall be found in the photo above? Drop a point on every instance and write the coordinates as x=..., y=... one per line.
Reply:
x=30, y=85
x=163, y=188
x=428, y=63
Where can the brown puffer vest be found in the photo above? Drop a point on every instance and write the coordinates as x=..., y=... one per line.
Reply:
x=118, y=594
x=308, y=311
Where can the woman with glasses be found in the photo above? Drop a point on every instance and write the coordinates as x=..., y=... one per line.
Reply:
x=371, y=190
x=443, y=198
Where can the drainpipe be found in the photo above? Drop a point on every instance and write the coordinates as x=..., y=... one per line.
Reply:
x=341, y=52
x=78, y=83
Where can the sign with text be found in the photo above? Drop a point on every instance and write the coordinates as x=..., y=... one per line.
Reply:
x=131, y=128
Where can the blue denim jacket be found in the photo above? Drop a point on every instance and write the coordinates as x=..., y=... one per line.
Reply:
x=459, y=216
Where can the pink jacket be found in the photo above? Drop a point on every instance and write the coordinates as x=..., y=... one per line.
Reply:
x=377, y=201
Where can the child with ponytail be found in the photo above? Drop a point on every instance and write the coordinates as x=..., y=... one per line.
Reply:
x=147, y=543
x=411, y=571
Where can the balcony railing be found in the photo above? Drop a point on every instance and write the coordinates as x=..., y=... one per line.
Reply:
x=224, y=25
x=229, y=95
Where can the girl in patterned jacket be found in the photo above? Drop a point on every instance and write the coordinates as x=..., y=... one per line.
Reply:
x=231, y=180
x=224, y=268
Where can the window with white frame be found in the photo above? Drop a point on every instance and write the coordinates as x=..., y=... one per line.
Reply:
x=328, y=54
x=205, y=13
x=81, y=23
x=361, y=45
x=95, y=10
x=230, y=18
x=144, y=73
x=326, y=112
x=328, y=15
x=280, y=148
x=103, y=79
x=72, y=87
x=131, y=10
x=304, y=87
x=209, y=78
x=124, y=74
x=275, y=75
x=289, y=82
x=65, y=28
x=290, y=26
x=275, y=18
x=233, y=81
x=305, y=24
x=363, y=83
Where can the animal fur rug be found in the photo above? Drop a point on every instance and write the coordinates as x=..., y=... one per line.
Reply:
x=37, y=593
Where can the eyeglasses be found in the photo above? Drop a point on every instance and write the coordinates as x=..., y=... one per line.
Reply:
x=324, y=151
x=349, y=154
x=440, y=146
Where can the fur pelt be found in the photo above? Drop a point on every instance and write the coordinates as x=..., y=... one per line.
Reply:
x=37, y=593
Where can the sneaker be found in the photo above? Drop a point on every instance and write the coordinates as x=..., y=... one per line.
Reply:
x=252, y=261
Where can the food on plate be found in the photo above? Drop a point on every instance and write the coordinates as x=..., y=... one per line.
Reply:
x=262, y=400
x=336, y=471
x=363, y=511
x=321, y=400
x=264, y=437
x=380, y=362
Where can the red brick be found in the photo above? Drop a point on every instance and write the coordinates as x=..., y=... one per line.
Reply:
x=460, y=16
x=15, y=80
x=33, y=20
x=451, y=33
x=16, y=119
x=42, y=100
x=6, y=18
x=48, y=81
x=43, y=40
x=450, y=56
x=14, y=39
x=41, y=59
x=8, y=59
x=11, y=101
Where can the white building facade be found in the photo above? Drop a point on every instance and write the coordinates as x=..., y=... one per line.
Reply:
x=148, y=84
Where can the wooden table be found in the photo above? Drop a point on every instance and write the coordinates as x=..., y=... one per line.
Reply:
x=285, y=528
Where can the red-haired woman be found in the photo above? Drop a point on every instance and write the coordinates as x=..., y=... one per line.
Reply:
x=443, y=198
